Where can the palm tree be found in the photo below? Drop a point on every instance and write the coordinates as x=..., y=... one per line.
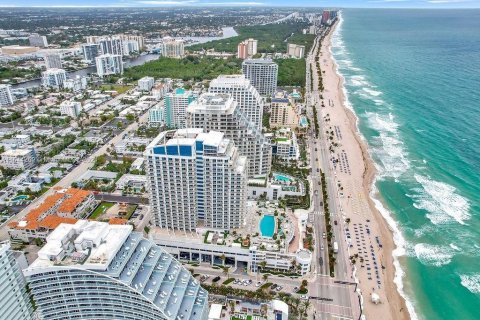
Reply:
x=223, y=258
x=225, y=271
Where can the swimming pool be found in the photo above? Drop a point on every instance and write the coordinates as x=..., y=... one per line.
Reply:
x=267, y=226
x=303, y=121
x=281, y=177
x=22, y=197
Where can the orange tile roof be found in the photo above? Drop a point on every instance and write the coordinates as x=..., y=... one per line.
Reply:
x=117, y=221
x=32, y=217
x=76, y=197
x=53, y=221
x=70, y=199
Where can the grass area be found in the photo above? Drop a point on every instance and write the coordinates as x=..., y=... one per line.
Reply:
x=228, y=281
x=266, y=285
x=271, y=38
x=302, y=291
x=196, y=68
x=119, y=88
x=130, y=210
x=102, y=207
x=291, y=72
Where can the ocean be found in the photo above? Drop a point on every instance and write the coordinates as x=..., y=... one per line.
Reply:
x=412, y=77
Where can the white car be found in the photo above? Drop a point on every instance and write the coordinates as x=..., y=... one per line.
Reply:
x=304, y=297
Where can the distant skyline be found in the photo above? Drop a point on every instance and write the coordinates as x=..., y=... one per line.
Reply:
x=266, y=3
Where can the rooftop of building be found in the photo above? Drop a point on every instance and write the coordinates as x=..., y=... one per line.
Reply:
x=65, y=200
x=212, y=102
x=98, y=242
x=188, y=137
x=259, y=61
x=16, y=152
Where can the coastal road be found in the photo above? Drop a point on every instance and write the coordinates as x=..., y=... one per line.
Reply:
x=320, y=159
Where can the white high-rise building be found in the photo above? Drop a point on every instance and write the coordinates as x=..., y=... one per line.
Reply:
x=96, y=270
x=90, y=51
x=173, y=48
x=53, y=61
x=251, y=46
x=156, y=116
x=196, y=179
x=37, y=40
x=176, y=104
x=76, y=84
x=108, y=64
x=130, y=46
x=54, y=78
x=219, y=112
x=146, y=83
x=295, y=50
x=14, y=298
x=111, y=46
x=263, y=75
x=6, y=96
x=242, y=91
x=70, y=108
x=19, y=159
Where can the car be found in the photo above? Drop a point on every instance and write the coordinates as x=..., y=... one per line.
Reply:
x=258, y=284
x=318, y=170
x=324, y=235
x=274, y=286
x=315, y=149
x=295, y=289
x=321, y=247
x=316, y=159
x=304, y=297
x=335, y=222
x=279, y=288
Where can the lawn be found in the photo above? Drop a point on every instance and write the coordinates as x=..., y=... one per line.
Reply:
x=228, y=281
x=119, y=88
x=102, y=207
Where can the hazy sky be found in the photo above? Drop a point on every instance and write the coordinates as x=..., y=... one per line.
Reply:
x=312, y=3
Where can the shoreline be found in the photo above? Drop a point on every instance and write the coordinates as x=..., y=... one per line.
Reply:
x=395, y=302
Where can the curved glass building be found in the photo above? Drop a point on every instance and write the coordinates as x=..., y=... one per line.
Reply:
x=93, y=270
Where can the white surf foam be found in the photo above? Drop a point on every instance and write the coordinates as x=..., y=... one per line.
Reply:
x=471, y=282
x=441, y=201
x=387, y=146
x=454, y=247
x=433, y=255
x=400, y=245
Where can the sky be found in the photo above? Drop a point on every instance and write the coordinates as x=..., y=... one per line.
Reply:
x=297, y=3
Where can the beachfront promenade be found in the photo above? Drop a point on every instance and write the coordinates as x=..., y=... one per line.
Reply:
x=358, y=228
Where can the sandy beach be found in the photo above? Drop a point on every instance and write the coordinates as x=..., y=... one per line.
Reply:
x=369, y=238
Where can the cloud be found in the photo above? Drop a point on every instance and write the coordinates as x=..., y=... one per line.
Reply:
x=447, y=1
x=198, y=3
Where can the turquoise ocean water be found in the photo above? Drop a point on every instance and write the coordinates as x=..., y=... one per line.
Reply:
x=413, y=79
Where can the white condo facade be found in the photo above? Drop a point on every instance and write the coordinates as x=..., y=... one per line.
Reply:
x=242, y=91
x=295, y=50
x=14, y=299
x=37, y=40
x=53, y=61
x=19, y=159
x=173, y=48
x=70, y=108
x=93, y=270
x=220, y=112
x=54, y=78
x=263, y=74
x=6, y=96
x=196, y=179
x=146, y=83
x=111, y=46
x=176, y=104
x=108, y=64
x=90, y=51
